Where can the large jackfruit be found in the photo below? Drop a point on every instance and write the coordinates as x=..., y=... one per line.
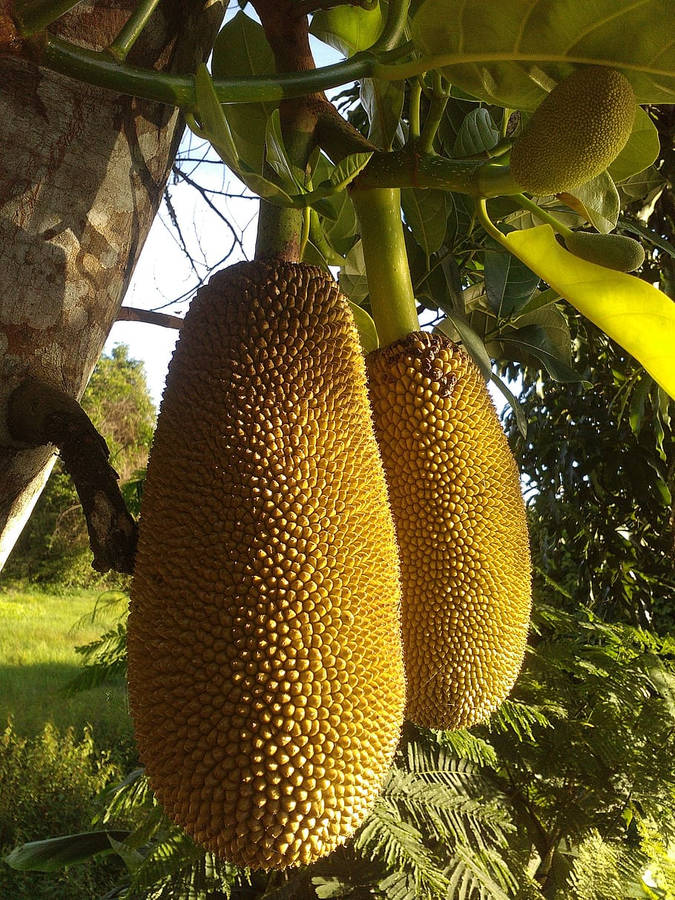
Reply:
x=265, y=663
x=576, y=132
x=460, y=522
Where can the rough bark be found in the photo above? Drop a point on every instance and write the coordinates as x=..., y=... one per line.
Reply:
x=81, y=177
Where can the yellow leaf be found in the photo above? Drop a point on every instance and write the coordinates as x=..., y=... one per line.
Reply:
x=635, y=314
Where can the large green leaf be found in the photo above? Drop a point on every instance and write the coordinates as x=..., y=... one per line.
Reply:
x=634, y=313
x=598, y=201
x=241, y=48
x=508, y=283
x=383, y=103
x=476, y=134
x=426, y=212
x=365, y=327
x=640, y=151
x=511, y=52
x=544, y=335
x=348, y=28
x=54, y=854
x=216, y=129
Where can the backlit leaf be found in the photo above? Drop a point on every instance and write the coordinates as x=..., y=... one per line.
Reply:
x=640, y=151
x=512, y=52
x=476, y=134
x=635, y=314
x=348, y=28
x=241, y=49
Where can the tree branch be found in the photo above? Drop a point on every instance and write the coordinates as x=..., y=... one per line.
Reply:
x=149, y=316
x=38, y=414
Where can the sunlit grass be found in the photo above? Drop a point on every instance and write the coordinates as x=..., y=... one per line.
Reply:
x=38, y=634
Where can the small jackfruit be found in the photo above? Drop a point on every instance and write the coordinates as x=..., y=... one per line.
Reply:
x=460, y=523
x=576, y=132
x=615, y=251
x=265, y=664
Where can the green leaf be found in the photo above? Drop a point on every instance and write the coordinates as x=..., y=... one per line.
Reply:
x=213, y=122
x=544, y=335
x=348, y=28
x=640, y=151
x=643, y=185
x=241, y=49
x=54, y=854
x=514, y=403
x=510, y=53
x=540, y=300
x=649, y=235
x=634, y=313
x=365, y=327
x=353, y=280
x=383, y=103
x=636, y=410
x=509, y=283
x=347, y=169
x=476, y=134
x=598, y=201
x=426, y=212
x=276, y=155
x=472, y=341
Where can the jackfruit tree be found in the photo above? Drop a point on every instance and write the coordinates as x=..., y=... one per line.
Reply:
x=331, y=545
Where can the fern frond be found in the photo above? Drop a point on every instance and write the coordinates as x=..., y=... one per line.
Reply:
x=521, y=718
x=108, y=604
x=466, y=745
x=399, y=846
x=104, y=661
x=175, y=868
x=471, y=877
x=447, y=814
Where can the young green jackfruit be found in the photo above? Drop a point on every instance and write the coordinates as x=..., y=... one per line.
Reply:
x=265, y=663
x=460, y=523
x=614, y=251
x=576, y=132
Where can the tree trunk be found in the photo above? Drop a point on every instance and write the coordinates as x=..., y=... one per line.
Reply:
x=81, y=177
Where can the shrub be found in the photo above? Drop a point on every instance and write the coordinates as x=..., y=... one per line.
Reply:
x=49, y=784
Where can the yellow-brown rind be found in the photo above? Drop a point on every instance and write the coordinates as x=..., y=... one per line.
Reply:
x=460, y=521
x=265, y=664
x=576, y=132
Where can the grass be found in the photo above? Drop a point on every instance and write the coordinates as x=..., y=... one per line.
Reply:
x=38, y=634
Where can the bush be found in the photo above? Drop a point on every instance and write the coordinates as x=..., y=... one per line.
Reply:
x=49, y=784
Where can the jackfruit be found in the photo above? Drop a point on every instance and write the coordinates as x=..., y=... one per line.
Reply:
x=615, y=251
x=265, y=663
x=460, y=523
x=576, y=132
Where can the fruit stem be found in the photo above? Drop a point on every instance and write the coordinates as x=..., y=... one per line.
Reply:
x=439, y=100
x=282, y=231
x=394, y=26
x=392, y=299
x=35, y=16
x=132, y=29
x=530, y=205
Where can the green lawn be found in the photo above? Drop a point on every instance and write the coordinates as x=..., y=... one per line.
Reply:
x=38, y=634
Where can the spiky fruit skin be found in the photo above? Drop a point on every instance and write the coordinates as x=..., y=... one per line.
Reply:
x=576, y=132
x=265, y=664
x=461, y=528
x=614, y=251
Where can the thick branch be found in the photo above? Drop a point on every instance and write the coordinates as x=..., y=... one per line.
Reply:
x=39, y=414
x=149, y=316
